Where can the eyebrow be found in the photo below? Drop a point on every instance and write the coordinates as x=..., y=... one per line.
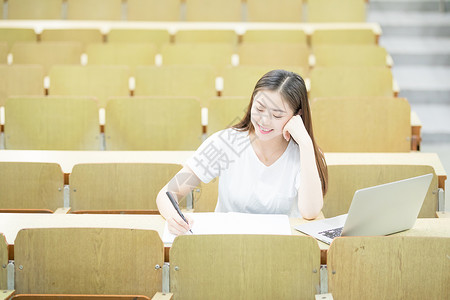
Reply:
x=272, y=109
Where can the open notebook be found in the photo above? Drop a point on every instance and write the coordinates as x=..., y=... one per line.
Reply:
x=235, y=223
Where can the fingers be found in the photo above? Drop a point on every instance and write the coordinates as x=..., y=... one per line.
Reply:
x=177, y=225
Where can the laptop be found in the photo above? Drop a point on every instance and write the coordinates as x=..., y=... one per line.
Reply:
x=378, y=210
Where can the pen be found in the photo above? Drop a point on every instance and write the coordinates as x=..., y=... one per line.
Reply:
x=177, y=208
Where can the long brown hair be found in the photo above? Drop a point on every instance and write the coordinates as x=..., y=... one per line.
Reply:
x=292, y=89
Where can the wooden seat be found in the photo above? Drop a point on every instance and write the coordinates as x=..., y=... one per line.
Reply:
x=362, y=124
x=351, y=82
x=275, y=35
x=206, y=36
x=21, y=80
x=181, y=81
x=90, y=261
x=153, y=10
x=274, y=11
x=31, y=187
x=141, y=123
x=35, y=9
x=348, y=36
x=118, y=187
x=51, y=123
x=224, y=112
x=14, y=35
x=344, y=180
x=3, y=53
x=156, y=37
x=350, y=55
x=327, y=11
x=244, y=267
x=47, y=54
x=274, y=54
x=100, y=82
x=94, y=10
x=213, y=10
x=84, y=36
x=391, y=267
x=4, y=260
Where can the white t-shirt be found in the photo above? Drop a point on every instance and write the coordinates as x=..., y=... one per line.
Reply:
x=245, y=184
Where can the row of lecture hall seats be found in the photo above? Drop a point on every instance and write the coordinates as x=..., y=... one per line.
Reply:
x=363, y=124
x=128, y=262
x=188, y=10
x=133, y=187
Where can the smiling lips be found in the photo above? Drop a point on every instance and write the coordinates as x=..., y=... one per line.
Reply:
x=264, y=130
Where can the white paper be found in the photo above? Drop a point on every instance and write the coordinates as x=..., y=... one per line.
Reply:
x=234, y=223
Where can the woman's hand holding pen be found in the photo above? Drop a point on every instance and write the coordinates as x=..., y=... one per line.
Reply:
x=296, y=129
x=177, y=225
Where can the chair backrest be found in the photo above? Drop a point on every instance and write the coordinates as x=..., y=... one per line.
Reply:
x=182, y=81
x=276, y=267
x=88, y=261
x=153, y=10
x=118, y=187
x=351, y=82
x=392, y=267
x=347, y=36
x=52, y=123
x=281, y=54
x=344, y=180
x=84, y=36
x=350, y=55
x=362, y=124
x=4, y=259
x=336, y=11
x=205, y=196
x=21, y=80
x=14, y=35
x=274, y=11
x=206, y=36
x=94, y=10
x=156, y=37
x=35, y=9
x=31, y=186
x=297, y=36
x=141, y=123
x=47, y=54
x=3, y=52
x=81, y=297
x=213, y=10
x=100, y=82
x=224, y=112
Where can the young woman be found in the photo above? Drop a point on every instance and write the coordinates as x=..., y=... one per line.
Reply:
x=267, y=163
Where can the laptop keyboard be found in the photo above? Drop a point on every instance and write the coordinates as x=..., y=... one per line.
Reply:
x=332, y=233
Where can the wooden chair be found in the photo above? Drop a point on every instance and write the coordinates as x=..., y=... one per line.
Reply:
x=180, y=81
x=118, y=187
x=223, y=112
x=205, y=196
x=84, y=36
x=344, y=180
x=153, y=10
x=362, y=124
x=52, y=123
x=89, y=261
x=31, y=187
x=47, y=54
x=128, y=54
x=14, y=35
x=274, y=11
x=244, y=267
x=141, y=123
x=351, y=82
x=101, y=82
x=213, y=10
x=94, y=10
x=281, y=54
x=296, y=36
x=21, y=80
x=3, y=53
x=156, y=37
x=88, y=297
x=35, y=9
x=347, y=36
x=327, y=11
x=391, y=267
x=206, y=36
x=350, y=55
x=4, y=260
x=217, y=55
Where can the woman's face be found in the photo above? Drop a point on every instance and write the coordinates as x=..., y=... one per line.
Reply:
x=269, y=114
